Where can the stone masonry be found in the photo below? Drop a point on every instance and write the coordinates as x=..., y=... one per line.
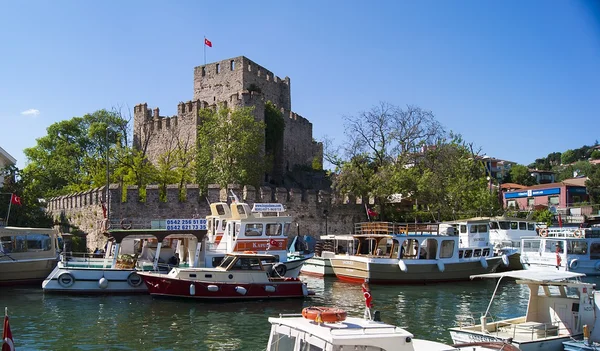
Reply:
x=232, y=83
x=83, y=211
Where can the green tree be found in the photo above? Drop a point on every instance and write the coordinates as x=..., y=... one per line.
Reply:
x=568, y=156
x=72, y=156
x=595, y=155
x=520, y=174
x=229, y=144
x=579, y=168
x=31, y=212
x=593, y=184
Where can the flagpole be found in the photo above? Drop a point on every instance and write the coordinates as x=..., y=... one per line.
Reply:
x=9, y=206
x=204, y=45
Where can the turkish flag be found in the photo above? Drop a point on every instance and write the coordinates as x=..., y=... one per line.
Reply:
x=273, y=242
x=7, y=339
x=15, y=200
x=207, y=43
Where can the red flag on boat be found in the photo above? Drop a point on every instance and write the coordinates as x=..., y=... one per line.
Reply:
x=367, y=294
x=15, y=200
x=273, y=242
x=7, y=339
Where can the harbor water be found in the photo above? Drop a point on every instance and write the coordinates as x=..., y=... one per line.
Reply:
x=140, y=322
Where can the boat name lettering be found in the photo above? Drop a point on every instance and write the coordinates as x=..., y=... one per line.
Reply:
x=348, y=263
x=186, y=224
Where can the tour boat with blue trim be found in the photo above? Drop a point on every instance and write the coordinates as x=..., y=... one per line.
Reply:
x=571, y=249
x=27, y=255
x=239, y=276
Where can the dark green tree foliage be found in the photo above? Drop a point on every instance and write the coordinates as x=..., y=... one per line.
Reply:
x=593, y=184
x=275, y=125
x=72, y=156
x=229, y=147
x=595, y=155
x=32, y=212
x=520, y=174
x=579, y=169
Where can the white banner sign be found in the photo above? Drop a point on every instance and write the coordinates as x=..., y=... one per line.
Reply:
x=186, y=224
x=268, y=207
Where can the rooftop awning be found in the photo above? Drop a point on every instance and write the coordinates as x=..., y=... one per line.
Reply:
x=536, y=276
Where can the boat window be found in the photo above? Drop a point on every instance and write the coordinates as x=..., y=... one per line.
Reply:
x=247, y=264
x=514, y=225
x=493, y=225
x=477, y=253
x=595, y=251
x=254, y=229
x=286, y=228
x=17, y=244
x=551, y=246
x=273, y=229
x=486, y=252
x=223, y=225
x=473, y=229
x=577, y=247
x=463, y=228
x=482, y=228
x=431, y=248
x=216, y=261
x=531, y=245
x=38, y=242
x=504, y=225
x=468, y=253
x=220, y=209
x=460, y=253
x=282, y=342
x=447, y=249
x=522, y=226
x=227, y=261
x=531, y=226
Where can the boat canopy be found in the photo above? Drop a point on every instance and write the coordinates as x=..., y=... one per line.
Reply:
x=159, y=234
x=536, y=276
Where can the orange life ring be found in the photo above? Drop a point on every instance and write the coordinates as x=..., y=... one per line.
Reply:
x=324, y=314
x=579, y=233
x=250, y=252
x=544, y=232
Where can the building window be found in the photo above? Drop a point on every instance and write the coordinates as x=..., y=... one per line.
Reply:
x=232, y=65
x=511, y=203
x=203, y=71
x=576, y=199
x=218, y=68
x=553, y=200
x=530, y=202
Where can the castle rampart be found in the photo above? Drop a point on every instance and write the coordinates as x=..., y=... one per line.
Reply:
x=83, y=211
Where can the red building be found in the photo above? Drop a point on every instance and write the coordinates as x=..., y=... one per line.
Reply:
x=555, y=196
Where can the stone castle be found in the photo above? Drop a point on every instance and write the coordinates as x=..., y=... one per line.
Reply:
x=232, y=83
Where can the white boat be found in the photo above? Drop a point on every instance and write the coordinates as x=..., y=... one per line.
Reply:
x=129, y=252
x=411, y=254
x=559, y=306
x=327, y=247
x=563, y=249
x=27, y=255
x=264, y=229
x=330, y=329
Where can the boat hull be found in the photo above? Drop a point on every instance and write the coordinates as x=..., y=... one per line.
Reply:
x=94, y=281
x=26, y=271
x=383, y=272
x=547, y=344
x=209, y=290
x=318, y=266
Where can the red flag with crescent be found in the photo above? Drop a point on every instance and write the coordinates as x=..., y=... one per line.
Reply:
x=273, y=242
x=367, y=294
x=7, y=339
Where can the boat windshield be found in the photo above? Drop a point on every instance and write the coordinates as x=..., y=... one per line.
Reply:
x=226, y=262
x=25, y=243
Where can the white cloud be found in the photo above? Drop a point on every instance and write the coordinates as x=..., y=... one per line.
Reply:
x=31, y=112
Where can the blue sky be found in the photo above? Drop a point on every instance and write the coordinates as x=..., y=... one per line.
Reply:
x=519, y=79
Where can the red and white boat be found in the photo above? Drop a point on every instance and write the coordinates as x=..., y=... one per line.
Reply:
x=239, y=276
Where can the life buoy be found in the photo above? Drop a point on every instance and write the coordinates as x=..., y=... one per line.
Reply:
x=544, y=232
x=574, y=264
x=134, y=280
x=324, y=314
x=279, y=269
x=66, y=279
x=126, y=224
x=579, y=233
x=250, y=252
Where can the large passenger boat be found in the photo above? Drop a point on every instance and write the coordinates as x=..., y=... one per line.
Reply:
x=27, y=255
x=570, y=249
x=389, y=253
x=239, y=276
x=264, y=228
x=559, y=307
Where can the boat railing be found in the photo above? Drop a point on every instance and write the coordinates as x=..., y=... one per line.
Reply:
x=531, y=330
x=391, y=228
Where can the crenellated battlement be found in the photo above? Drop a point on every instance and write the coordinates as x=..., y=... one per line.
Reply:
x=84, y=212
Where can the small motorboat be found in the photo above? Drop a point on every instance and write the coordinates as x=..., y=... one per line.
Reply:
x=240, y=276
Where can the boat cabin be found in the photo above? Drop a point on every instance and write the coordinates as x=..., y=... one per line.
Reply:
x=30, y=242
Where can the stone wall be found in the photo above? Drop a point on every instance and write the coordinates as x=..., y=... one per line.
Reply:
x=83, y=211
